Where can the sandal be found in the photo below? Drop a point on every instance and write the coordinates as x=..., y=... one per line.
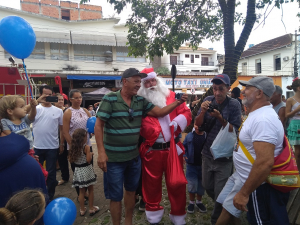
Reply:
x=83, y=212
x=94, y=211
x=61, y=182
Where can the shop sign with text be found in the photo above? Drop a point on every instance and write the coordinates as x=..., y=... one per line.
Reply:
x=188, y=82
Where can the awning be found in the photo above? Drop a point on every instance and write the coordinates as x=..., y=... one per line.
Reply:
x=53, y=36
x=121, y=40
x=93, y=38
x=75, y=77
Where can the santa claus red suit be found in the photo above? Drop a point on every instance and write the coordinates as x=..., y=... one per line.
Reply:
x=154, y=152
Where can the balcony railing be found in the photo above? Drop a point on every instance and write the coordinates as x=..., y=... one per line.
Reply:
x=179, y=62
x=207, y=63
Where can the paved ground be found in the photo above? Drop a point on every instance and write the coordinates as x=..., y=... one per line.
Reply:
x=103, y=217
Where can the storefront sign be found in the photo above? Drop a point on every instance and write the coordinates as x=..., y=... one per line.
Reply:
x=188, y=82
x=93, y=83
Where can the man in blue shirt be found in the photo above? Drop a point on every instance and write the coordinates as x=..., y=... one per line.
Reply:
x=225, y=110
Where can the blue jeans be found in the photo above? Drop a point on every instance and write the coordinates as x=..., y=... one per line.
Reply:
x=50, y=156
x=194, y=178
x=127, y=172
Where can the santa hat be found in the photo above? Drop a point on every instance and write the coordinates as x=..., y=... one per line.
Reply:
x=150, y=72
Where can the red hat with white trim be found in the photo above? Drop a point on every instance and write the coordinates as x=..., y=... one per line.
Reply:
x=150, y=72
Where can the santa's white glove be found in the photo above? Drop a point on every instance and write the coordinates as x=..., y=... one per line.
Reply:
x=174, y=123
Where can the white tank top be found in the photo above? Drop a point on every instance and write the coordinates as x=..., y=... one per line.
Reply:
x=297, y=115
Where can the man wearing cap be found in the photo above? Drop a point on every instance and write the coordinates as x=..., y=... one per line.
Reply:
x=226, y=110
x=262, y=135
x=117, y=132
x=278, y=104
x=154, y=151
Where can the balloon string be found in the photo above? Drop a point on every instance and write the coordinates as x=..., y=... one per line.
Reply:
x=27, y=78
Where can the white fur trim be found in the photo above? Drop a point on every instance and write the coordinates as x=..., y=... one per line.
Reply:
x=181, y=121
x=150, y=76
x=165, y=127
x=154, y=216
x=179, y=150
x=177, y=220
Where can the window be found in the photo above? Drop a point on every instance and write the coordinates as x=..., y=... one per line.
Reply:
x=244, y=68
x=197, y=56
x=258, y=66
x=187, y=56
x=277, y=62
x=122, y=55
x=65, y=14
x=192, y=58
x=195, y=71
x=204, y=61
x=37, y=53
x=59, y=51
x=92, y=53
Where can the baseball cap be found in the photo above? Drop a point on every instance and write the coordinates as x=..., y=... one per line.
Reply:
x=263, y=83
x=133, y=72
x=222, y=77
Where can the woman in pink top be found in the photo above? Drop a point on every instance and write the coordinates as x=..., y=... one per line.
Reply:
x=75, y=117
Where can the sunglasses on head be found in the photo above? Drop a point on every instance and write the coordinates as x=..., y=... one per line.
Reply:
x=131, y=111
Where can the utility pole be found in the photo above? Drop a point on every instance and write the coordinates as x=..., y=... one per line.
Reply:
x=295, y=57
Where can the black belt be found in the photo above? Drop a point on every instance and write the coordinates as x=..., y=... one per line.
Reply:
x=163, y=145
x=81, y=165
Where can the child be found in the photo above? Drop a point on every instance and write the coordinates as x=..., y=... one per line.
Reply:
x=91, y=110
x=193, y=144
x=25, y=207
x=14, y=118
x=84, y=175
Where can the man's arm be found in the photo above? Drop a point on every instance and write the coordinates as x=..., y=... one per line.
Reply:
x=260, y=170
x=281, y=114
x=161, y=112
x=102, y=157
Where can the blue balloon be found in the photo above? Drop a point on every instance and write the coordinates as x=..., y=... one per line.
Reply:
x=60, y=211
x=90, y=124
x=17, y=36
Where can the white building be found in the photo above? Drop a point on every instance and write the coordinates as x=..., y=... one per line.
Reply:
x=202, y=60
x=274, y=58
x=77, y=51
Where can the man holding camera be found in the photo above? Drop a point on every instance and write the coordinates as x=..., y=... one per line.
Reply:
x=48, y=120
x=155, y=147
x=215, y=112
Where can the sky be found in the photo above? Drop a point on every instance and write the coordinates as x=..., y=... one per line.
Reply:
x=277, y=23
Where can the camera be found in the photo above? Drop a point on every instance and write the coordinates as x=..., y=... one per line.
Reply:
x=211, y=108
x=51, y=99
x=178, y=95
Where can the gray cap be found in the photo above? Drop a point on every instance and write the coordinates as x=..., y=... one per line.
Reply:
x=265, y=84
x=133, y=72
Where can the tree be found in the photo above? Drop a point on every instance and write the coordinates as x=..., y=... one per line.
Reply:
x=163, y=25
x=163, y=71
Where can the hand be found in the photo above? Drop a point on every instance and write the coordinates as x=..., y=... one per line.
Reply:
x=240, y=201
x=36, y=157
x=204, y=106
x=183, y=99
x=61, y=149
x=42, y=98
x=185, y=158
x=33, y=103
x=101, y=161
x=174, y=123
x=216, y=114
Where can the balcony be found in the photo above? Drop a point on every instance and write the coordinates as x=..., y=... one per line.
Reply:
x=178, y=62
x=207, y=63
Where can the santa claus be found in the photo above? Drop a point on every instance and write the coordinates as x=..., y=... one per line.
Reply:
x=154, y=150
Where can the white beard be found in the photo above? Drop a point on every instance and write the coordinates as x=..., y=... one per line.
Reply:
x=155, y=94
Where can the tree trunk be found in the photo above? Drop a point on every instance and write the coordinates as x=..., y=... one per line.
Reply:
x=232, y=52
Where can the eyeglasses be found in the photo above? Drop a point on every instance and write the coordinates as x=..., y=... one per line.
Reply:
x=76, y=98
x=131, y=111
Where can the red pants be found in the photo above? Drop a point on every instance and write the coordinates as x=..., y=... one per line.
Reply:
x=154, y=164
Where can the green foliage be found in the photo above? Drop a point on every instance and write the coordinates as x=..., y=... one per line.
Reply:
x=163, y=71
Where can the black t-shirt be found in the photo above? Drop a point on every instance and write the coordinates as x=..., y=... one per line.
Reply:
x=198, y=141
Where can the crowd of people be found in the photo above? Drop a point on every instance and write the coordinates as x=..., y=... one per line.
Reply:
x=138, y=133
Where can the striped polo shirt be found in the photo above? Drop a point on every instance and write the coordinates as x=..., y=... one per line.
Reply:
x=122, y=125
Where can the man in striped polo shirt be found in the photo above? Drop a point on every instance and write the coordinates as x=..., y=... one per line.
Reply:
x=117, y=130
